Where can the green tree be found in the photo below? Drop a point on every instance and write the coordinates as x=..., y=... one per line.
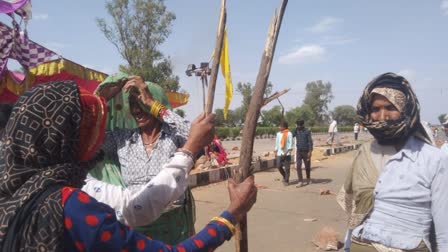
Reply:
x=137, y=29
x=345, y=115
x=233, y=119
x=442, y=118
x=237, y=116
x=272, y=117
x=303, y=112
x=246, y=91
x=268, y=90
x=318, y=96
x=219, y=118
x=180, y=112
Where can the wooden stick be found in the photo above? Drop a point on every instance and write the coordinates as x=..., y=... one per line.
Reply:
x=216, y=59
x=274, y=96
x=250, y=123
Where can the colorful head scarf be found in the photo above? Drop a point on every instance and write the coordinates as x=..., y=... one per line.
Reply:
x=120, y=117
x=41, y=152
x=399, y=92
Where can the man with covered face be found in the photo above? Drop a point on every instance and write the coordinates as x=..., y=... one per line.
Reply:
x=394, y=191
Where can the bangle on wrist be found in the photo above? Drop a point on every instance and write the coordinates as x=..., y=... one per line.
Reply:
x=156, y=109
x=226, y=222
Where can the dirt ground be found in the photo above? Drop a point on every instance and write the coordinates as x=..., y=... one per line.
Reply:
x=280, y=219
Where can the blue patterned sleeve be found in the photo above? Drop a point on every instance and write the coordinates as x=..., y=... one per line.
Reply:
x=92, y=226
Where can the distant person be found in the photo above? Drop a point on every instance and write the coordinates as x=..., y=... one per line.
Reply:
x=217, y=153
x=304, y=149
x=356, y=131
x=332, y=132
x=283, y=148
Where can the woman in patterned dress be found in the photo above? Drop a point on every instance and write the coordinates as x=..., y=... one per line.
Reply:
x=140, y=153
x=51, y=142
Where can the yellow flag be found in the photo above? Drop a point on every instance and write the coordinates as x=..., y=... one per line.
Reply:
x=225, y=69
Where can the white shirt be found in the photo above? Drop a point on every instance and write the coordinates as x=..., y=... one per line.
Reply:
x=333, y=127
x=147, y=202
x=410, y=194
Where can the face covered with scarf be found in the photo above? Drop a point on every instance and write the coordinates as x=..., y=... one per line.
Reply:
x=389, y=109
x=54, y=130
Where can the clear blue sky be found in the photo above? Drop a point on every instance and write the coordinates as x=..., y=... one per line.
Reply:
x=344, y=42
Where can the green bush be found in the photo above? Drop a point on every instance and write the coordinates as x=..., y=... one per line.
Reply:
x=227, y=132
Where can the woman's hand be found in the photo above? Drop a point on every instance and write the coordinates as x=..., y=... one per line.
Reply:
x=242, y=197
x=137, y=86
x=201, y=133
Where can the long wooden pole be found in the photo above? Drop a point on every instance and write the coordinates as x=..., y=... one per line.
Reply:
x=216, y=58
x=250, y=123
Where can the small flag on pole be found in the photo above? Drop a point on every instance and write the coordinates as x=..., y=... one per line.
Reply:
x=225, y=69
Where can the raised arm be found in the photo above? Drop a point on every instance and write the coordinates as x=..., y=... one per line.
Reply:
x=143, y=206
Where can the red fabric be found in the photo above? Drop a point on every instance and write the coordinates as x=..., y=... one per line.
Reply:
x=8, y=97
x=221, y=155
x=93, y=123
x=89, y=85
x=65, y=193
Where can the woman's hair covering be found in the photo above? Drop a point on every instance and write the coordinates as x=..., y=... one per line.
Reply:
x=41, y=144
x=392, y=131
x=119, y=116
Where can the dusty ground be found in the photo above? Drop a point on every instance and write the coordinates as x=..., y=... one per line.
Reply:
x=276, y=223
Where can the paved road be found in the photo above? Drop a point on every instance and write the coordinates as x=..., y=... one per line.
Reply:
x=276, y=223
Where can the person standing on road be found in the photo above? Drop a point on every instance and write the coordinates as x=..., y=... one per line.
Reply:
x=304, y=149
x=395, y=189
x=356, y=131
x=332, y=132
x=283, y=148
